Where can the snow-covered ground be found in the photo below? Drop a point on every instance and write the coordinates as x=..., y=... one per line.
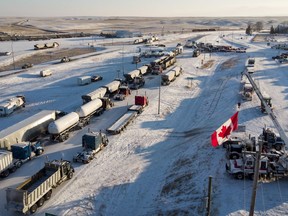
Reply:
x=161, y=163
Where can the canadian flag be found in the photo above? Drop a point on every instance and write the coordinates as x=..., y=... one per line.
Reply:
x=222, y=133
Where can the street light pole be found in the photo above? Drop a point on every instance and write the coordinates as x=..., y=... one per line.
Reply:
x=159, y=95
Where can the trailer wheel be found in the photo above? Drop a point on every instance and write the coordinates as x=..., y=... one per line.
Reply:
x=41, y=202
x=33, y=209
x=47, y=196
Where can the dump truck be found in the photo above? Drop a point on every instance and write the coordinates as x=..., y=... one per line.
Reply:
x=60, y=128
x=9, y=106
x=31, y=194
x=129, y=116
x=92, y=143
x=28, y=129
x=19, y=154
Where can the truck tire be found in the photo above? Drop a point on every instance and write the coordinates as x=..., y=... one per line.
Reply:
x=47, y=196
x=278, y=147
x=5, y=173
x=19, y=164
x=33, y=209
x=239, y=175
x=13, y=169
x=70, y=175
x=41, y=202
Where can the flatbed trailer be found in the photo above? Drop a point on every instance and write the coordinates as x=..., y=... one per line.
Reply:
x=122, y=122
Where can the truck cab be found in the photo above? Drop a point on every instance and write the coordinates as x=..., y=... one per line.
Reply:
x=26, y=150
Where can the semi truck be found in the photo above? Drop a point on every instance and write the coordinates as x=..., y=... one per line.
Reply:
x=129, y=116
x=28, y=129
x=60, y=128
x=20, y=153
x=32, y=193
x=98, y=93
x=131, y=75
x=92, y=143
x=137, y=83
x=143, y=69
x=86, y=111
x=171, y=75
x=122, y=93
x=112, y=87
x=9, y=106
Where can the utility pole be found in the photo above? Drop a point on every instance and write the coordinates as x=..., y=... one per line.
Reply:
x=209, y=196
x=159, y=95
x=255, y=178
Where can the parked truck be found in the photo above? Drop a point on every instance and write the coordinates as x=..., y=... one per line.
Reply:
x=28, y=129
x=84, y=80
x=60, y=128
x=32, y=193
x=122, y=93
x=98, y=93
x=86, y=111
x=9, y=106
x=129, y=116
x=131, y=75
x=112, y=87
x=92, y=143
x=19, y=154
x=137, y=83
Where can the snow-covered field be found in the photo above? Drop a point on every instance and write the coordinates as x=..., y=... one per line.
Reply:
x=161, y=163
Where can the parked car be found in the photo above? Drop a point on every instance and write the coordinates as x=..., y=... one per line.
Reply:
x=83, y=157
x=27, y=65
x=65, y=59
x=96, y=78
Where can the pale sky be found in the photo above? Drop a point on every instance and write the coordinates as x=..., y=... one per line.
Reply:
x=149, y=8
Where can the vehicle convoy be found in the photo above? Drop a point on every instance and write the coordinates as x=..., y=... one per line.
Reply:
x=137, y=83
x=19, y=154
x=92, y=143
x=28, y=129
x=9, y=106
x=133, y=111
x=31, y=194
x=122, y=93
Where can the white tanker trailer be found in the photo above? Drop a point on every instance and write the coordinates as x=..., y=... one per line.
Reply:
x=98, y=93
x=60, y=128
x=86, y=111
x=113, y=87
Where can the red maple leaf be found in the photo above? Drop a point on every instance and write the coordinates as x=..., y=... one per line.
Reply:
x=225, y=131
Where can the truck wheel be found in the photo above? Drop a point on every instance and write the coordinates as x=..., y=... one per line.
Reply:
x=47, y=196
x=33, y=209
x=278, y=147
x=41, y=202
x=234, y=156
x=19, y=164
x=239, y=175
x=70, y=175
x=5, y=173
x=13, y=169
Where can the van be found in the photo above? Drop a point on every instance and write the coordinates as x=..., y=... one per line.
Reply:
x=45, y=73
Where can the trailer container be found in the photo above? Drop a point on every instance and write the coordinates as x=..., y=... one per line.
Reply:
x=131, y=75
x=27, y=130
